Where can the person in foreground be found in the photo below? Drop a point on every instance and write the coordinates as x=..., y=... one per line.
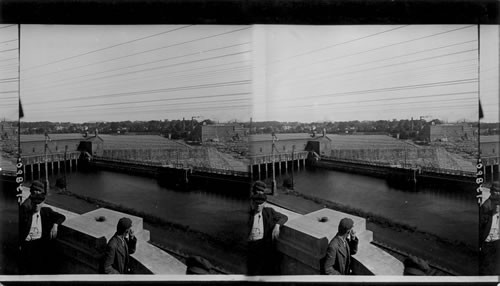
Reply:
x=38, y=225
x=264, y=224
x=120, y=246
x=489, y=249
x=338, y=255
x=415, y=266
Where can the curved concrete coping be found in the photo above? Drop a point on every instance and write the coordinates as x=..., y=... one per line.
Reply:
x=83, y=239
x=304, y=240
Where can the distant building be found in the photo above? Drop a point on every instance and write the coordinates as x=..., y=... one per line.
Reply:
x=35, y=144
x=7, y=131
x=490, y=146
x=292, y=142
x=222, y=132
x=448, y=132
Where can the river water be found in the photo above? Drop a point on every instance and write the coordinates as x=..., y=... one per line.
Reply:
x=446, y=211
x=216, y=214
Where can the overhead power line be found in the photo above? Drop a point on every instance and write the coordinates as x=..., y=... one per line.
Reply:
x=142, y=92
x=8, y=26
x=8, y=41
x=137, y=65
x=340, y=74
x=399, y=56
x=88, y=86
x=172, y=45
x=338, y=44
x=218, y=102
x=106, y=48
x=157, y=68
x=9, y=50
x=401, y=87
x=387, y=46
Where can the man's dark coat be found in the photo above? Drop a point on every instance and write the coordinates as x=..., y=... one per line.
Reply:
x=338, y=256
x=116, y=258
x=48, y=217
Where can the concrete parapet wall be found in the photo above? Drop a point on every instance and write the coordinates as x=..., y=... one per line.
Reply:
x=82, y=240
x=304, y=240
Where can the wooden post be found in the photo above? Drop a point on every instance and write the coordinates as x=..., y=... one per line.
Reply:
x=273, y=182
x=46, y=160
x=492, y=178
x=286, y=164
x=31, y=166
x=259, y=170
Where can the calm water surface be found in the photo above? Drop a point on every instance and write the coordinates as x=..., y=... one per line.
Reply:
x=445, y=211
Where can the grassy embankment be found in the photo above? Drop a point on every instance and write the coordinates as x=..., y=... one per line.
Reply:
x=382, y=221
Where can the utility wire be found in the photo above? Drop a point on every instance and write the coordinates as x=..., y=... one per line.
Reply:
x=136, y=65
x=163, y=76
x=9, y=50
x=7, y=26
x=190, y=79
x=400, y=56
x=190, y=109
x=8, y=41
x=106, y=48
x=141, y=64
x=362, y=104
x=158, y=68
x=201, y=103
x=340, y=74
x=401, y=87
x=172, y=45
x=390, y=45
x=142, y=92
x=8, y=59
x=336, y=45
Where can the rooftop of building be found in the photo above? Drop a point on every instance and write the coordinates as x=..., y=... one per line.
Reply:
x=490, y=139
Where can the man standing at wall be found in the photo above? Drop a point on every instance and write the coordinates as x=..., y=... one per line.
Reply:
x=38, y=225
x=343, y=245
x=264, y=224
x=489, y=261
x=119, y=248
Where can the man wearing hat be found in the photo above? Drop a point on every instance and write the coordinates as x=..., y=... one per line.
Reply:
x=38, y=225
x=264, y=224
x=338, y=255
x=490, y=231
x=120, y=246
x=199, y=266
x=259, y=187
x=415, y=266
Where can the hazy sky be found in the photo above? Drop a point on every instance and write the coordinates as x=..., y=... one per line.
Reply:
x=8, y=72
x=106, y=73
x=337, y=73
x=286, y=73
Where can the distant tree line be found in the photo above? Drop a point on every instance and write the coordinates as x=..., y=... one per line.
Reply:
x=176, y=129
x=191, y=129
x=403, y=128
